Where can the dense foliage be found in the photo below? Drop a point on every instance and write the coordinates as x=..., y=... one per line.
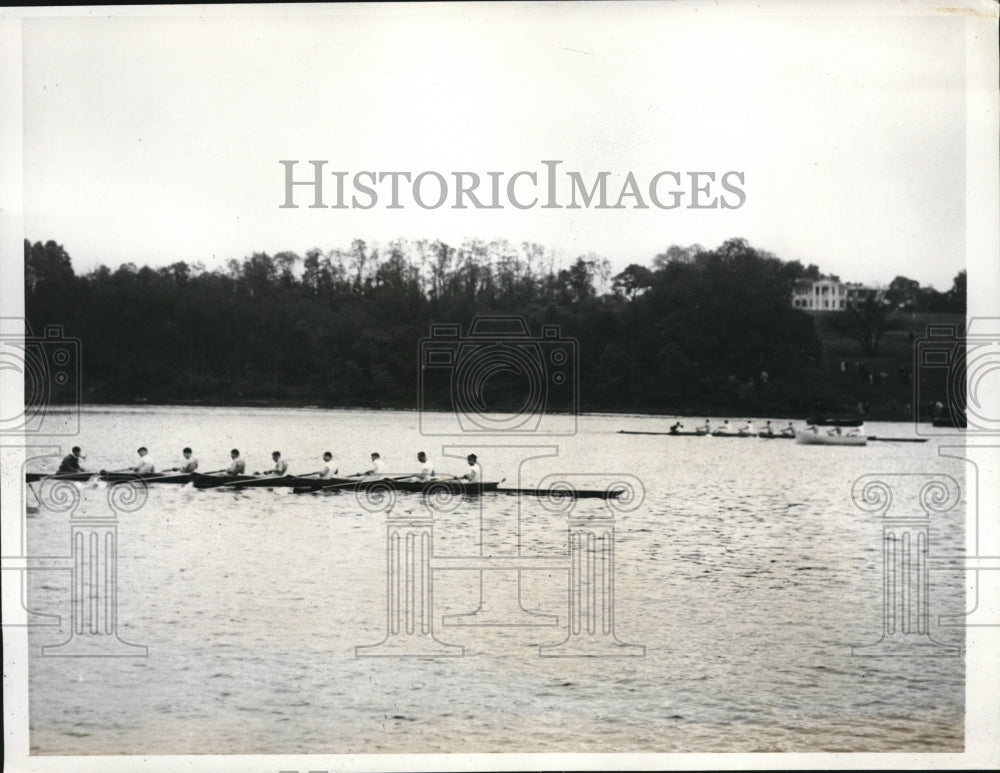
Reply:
x=698, y=330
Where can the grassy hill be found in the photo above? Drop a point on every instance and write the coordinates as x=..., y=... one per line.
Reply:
x=887, y=381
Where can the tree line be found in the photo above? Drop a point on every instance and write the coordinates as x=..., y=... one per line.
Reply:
x=697, y=329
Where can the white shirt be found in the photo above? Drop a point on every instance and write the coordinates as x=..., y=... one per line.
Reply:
x=146, y=465
x=378, y=467
x=326, y=471
x=427, y=469
x=475, y=473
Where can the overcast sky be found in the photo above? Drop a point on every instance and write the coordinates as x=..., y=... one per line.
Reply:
x=157, y=139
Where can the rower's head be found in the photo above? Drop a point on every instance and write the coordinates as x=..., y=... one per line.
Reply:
x=327, y=456
x=142, y=451
x=471, y=459
x=376, y=455
x=234, y=453
x=76, y=450
x=421, y=456
x=276, y=455
x=187, y=453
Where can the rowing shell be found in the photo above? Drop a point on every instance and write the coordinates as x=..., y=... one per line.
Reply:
x=34, y=477
x=452, y=487
x=211, y=481
x=775, y=436
x=158, y=477
x=430, y=486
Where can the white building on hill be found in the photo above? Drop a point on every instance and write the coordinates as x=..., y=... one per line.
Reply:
x=829, y=294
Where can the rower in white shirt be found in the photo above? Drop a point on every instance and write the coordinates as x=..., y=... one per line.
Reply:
x=377, y=469
x=325, y=471
x=280, y=465
x=190, y=463
x=426, y=467
x=146, y=465
x=238, y=465
x=475, y=472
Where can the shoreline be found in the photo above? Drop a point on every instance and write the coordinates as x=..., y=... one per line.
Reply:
x=716, y=412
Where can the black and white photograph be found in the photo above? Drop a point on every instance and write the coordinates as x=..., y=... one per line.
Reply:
x=500, y=386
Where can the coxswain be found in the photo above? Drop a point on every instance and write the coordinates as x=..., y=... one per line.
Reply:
x=71, y=462
x=475, y=471
x=378, y=466
x=237, y=466
x=675, y=428
x=146, y=465
x=190, y=463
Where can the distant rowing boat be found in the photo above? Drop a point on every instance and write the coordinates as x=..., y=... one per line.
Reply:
x=774, y=436
x=771, y=436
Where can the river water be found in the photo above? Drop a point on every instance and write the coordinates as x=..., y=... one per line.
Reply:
x=743, y=574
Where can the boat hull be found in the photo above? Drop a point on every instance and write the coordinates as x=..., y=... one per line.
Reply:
x=433, y=486
x=450, y=487
x=34, y=477
x=214, y=481
x=121, y=477
x=273, y=481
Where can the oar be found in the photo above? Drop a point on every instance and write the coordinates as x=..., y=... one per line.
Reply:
x=243, y=483
x=31, y=508
x=356, y=482
x=160, y=476
x=94, y=479
x=208, y=474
